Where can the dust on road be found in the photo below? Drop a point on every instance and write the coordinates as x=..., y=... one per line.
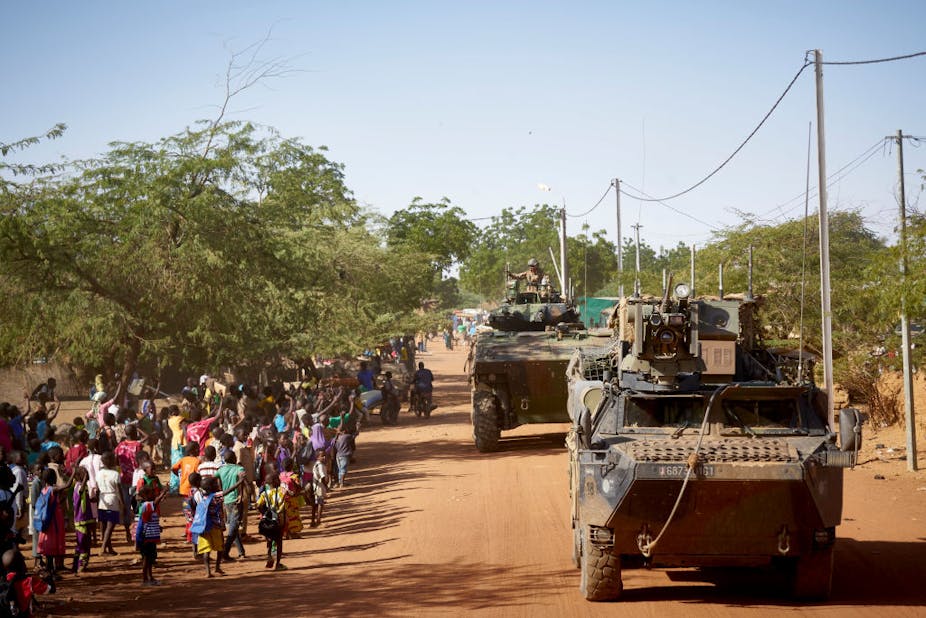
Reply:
x=428, y=526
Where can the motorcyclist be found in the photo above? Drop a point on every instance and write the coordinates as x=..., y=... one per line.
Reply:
x=422, y=385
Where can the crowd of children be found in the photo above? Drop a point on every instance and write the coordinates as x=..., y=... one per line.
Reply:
x=72, y=486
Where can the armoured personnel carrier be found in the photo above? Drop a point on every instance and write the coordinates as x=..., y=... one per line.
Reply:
x=517, y=367
x=694, y=445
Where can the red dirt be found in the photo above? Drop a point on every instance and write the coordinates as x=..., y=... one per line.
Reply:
x=428, y=526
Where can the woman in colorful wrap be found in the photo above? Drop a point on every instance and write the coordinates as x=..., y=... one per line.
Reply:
x=289, y=480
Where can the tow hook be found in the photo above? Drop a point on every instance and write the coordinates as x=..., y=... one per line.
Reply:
x=784, y=541
x=644, y=541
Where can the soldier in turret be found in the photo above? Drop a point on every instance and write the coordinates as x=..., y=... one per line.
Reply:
x=533, y=275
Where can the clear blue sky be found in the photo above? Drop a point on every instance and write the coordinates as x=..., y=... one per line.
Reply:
x=481, y=101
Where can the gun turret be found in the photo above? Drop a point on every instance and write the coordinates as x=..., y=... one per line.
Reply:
x=664, y=352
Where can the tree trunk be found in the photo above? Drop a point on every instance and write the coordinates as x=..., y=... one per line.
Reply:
x=132, y=349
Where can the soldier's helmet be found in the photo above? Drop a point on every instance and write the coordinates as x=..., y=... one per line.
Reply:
x=533, y=262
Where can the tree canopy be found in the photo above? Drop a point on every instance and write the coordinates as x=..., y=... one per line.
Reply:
x=225, y=243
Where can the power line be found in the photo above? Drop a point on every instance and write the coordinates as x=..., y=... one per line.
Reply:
x=867, y=153
x=740, y=147
x=597, y=204
x=892, y=59
x=659, y=201
x=532, y=212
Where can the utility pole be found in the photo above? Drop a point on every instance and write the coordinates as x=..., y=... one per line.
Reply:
x=636, y=282
x=824, y=247
x=616, y=183
x=904, y=324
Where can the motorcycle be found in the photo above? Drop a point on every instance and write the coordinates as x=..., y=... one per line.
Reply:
x=387, y=407
x=421, y=404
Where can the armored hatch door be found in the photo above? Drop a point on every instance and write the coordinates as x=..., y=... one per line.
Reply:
x=537, y=380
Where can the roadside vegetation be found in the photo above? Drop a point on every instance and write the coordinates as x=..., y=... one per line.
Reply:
x=228, y=243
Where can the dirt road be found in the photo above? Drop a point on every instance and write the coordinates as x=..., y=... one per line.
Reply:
x=428, y=526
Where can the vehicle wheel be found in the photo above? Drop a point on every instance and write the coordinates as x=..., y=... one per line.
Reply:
x=426, y=404
x=485, y=422
x=577, y=545
x=813, y=575
x=601, y=572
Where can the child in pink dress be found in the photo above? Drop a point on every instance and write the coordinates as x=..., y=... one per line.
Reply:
x=51, y=526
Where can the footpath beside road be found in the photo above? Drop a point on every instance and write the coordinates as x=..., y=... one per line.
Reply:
x=429, y=526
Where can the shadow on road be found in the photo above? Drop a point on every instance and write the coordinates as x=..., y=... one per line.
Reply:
x=865, y=573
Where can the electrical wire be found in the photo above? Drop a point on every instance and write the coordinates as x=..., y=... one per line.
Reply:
x=741, y=146
x=568, y=214
x=832, y=179
x=597, y=204
x=658, y=201
x=878, y=60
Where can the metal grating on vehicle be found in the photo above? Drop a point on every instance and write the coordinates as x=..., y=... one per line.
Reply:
x=594, y=362
x=712, y=451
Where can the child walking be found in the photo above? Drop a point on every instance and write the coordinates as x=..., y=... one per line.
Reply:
x=49, y=521
x=319, y=486
x=83, y=519
x=209, y=525
x=110, y=506
x=148, y=530
x=272, y=505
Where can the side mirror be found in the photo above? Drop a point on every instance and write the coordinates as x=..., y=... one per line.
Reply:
x=850, y=429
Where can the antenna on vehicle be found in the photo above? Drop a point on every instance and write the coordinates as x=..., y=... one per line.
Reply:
x=749, y=289
x=800, y=356
x=720, y=278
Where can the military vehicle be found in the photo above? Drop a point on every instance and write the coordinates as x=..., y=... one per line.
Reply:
x=694, y=445
x=517, y=366
x=534, y=309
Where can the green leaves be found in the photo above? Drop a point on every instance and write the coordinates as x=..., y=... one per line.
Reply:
x=223, y=244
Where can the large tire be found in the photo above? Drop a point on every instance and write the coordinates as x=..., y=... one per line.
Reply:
x=812, y=577
x=577, y=544
x=601, y=572
x=485, y=422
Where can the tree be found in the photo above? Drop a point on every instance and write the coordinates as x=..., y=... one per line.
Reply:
x=509, y=241
x=440, y=230
x=225, y=243
x=592, y=261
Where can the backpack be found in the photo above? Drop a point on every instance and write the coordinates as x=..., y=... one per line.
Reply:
x=269, y=525
x=201, y=521
x=44, y=511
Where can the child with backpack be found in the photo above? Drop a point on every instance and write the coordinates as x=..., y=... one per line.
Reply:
x=49, y=522
x=209, y=525
x=148, y=530
x=272, y=506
